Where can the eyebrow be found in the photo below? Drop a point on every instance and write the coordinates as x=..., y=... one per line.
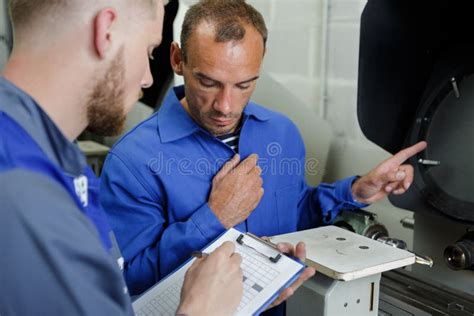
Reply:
x=203, y=76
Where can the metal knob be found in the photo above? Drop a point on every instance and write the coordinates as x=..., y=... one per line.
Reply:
x=400, y=244
x=460, y=256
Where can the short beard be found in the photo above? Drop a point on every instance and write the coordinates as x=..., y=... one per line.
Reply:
x=106, y=106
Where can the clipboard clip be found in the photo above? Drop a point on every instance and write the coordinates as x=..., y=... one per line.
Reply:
x=240, y=241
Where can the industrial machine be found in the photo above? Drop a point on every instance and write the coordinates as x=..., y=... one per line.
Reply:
x=416, y=82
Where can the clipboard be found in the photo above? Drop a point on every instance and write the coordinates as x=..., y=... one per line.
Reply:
x=267, y=272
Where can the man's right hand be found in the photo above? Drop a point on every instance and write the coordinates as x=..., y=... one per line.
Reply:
x=213, y=285
x=236, y=190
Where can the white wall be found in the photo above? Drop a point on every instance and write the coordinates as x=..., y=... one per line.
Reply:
x=313, y=50
x=4, y=50
x=295, y=55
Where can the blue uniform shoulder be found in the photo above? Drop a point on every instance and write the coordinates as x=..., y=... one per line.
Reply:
x=137, y=145
x=143, y=131
x=274, y=118
x=19, y=150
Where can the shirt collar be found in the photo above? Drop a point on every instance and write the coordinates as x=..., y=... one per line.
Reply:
x=22, y=108
x=257, y=112
x=175, y=123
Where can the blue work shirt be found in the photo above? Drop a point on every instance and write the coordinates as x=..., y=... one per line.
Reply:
x=57, y=250
x=157, y=179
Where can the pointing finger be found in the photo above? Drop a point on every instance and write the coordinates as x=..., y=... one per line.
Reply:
x=407, y=153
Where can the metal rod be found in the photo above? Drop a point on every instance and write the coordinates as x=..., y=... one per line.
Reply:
x=427, y=162
x=455, y=88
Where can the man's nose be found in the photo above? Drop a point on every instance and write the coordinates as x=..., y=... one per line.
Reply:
x=223, y=102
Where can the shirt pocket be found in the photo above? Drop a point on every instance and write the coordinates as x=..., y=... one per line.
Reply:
x=287, y=208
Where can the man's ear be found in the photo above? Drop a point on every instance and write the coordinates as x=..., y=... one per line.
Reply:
x=103, y=26
x=176, y=59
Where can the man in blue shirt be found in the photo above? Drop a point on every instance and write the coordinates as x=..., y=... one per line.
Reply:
x=163, y=186
x=78, y=63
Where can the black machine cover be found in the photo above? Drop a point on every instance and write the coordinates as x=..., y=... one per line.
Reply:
x=416, y=82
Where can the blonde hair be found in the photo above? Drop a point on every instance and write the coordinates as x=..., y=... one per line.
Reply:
x=24, y=13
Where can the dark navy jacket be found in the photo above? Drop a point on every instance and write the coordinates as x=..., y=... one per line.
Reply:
x=56, y=245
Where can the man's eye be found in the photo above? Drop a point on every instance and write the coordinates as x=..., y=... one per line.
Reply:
x=206, y=83
x=243, y=87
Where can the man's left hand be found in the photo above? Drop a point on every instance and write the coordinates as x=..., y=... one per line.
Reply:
x=391, y=176
x=300, y=253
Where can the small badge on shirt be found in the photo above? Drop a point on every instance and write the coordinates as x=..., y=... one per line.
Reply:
x=121, y=263
x=80, y=184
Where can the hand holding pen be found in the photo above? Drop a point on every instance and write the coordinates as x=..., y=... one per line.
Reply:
x=213, y=284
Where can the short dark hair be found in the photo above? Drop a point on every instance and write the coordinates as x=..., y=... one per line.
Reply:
x=228, y=16
x=23, y=12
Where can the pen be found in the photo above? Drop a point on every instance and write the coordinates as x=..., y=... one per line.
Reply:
x=199, y=254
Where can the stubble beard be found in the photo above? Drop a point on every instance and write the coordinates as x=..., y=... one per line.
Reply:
x=106, y=106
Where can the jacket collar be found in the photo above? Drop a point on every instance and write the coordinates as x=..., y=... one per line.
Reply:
x=174, y=122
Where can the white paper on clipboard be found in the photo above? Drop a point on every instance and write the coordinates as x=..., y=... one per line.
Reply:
x=264, y=278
